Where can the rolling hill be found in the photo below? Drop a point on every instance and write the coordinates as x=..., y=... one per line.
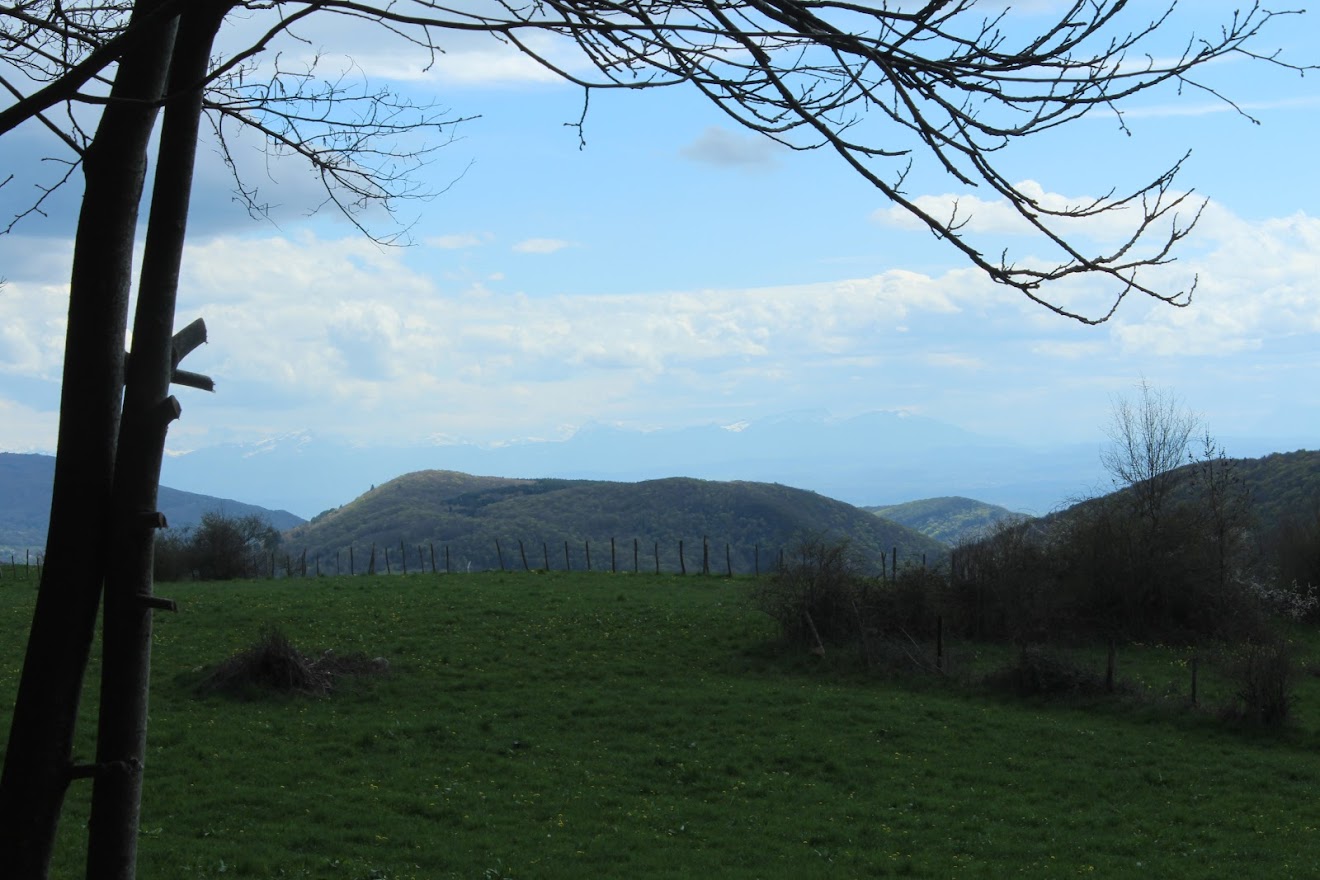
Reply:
x=948, y=520
x=467, y=515
x=25, y=484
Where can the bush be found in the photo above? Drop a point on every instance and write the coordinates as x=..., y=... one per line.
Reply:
x=1037, y=673
x=1263, y=673
x=219, y=548
x=814, y=596
x=821, y=599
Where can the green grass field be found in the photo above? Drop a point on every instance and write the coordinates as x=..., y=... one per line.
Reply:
x=574, y=725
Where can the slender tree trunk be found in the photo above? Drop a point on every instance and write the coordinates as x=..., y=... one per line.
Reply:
x=37, y=766
x=148, y=410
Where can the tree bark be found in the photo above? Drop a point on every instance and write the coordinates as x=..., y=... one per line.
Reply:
x=38, y=766
x=148, y=410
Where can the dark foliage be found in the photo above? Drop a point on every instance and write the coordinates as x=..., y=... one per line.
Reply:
x=1036, y=672
x=220, y=548
x=822, y=601
x=1263, y=672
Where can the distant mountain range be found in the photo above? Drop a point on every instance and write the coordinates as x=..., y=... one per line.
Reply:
x=877, y=458
x=25, y=485
x=489, y=522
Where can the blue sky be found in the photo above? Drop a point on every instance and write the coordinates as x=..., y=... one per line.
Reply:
x=678, y=271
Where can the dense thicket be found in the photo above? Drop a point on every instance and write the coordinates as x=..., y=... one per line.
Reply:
x=219, y=548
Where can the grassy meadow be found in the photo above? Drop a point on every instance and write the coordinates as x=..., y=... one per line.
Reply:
x=596, y=725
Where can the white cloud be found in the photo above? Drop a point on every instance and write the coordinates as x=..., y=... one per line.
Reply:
x=977, y=216
x=25, y=429
x=541, y=245
x=459, y=241
x=1256, y=283
x=350, y=338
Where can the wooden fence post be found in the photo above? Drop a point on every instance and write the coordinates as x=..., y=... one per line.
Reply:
x=448, y=570
x=545, y=551
x=568, y=565
x=523, y=554
x=682, y=563
x=728, y=560
x=657, y=557
x=614, y=568
x=939, y=642
x=499, y=553
x=403, y=555
x=388, y=570
x=705, y=555
x=587, y=545
x=371, y=563
x=635, y=569
x=432, y=543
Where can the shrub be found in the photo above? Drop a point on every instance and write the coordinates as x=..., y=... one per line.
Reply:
x=1263, y=673
x=1038, y=673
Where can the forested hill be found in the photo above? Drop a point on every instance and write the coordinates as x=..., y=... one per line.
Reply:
x=468, y=514
x=948, y=520
x=25, y=486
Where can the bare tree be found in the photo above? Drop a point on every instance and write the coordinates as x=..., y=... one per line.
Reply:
x=1149, y=438
x=887, y=88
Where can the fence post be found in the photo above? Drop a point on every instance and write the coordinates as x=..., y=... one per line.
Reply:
x=318, y=564
x=523, y=554
x=499, y=553
x=587, y=545
x=545, y=551
x=728, y=560
x=568, y=566
x=403, y=555
x=893, y=559
x=448, y=570
x=635, y=569
x=705, y=555
x=657, y=557
x=371, y=563
x=614, y=568
x=757, y=560
x=432, y=543
x=682, y=563
x=388, y=570
x=939, y=642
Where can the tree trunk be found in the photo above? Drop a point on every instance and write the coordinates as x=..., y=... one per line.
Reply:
x=38, y=758
x=148, y=410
